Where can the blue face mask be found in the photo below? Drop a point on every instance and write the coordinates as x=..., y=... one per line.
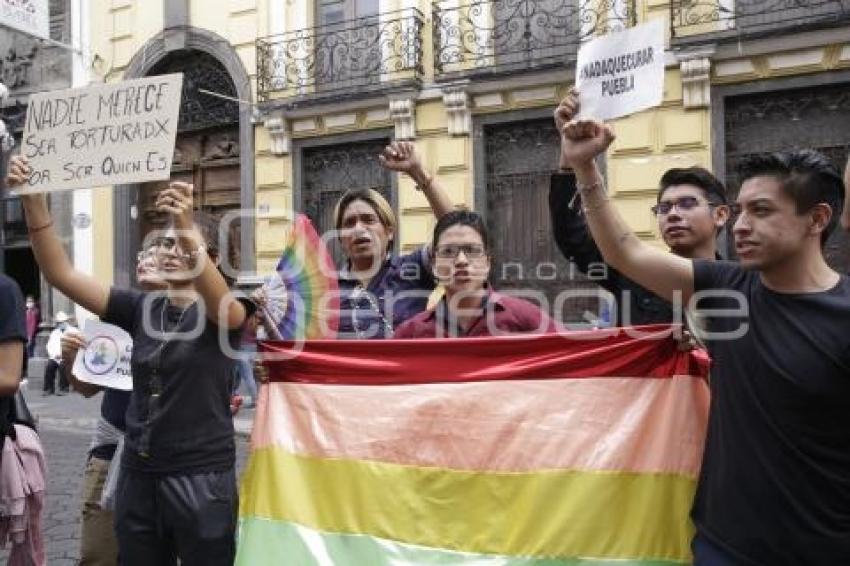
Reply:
x=63, y=326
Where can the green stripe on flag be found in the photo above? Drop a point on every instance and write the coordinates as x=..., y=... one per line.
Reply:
x=270, y=542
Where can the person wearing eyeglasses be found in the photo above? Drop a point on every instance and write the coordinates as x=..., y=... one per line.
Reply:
x=176, y=495
x=774, y=486
x=470, y=307
x=691, y=210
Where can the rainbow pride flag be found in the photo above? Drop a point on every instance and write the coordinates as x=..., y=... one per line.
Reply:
x=513, y=451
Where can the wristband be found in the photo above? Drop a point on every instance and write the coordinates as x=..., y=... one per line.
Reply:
x=32, y=230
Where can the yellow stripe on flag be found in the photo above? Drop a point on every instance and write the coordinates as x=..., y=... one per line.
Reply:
x=549, y=513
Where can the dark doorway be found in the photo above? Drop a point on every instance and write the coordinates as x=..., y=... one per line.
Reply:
x=520, y=158
x=20, y=265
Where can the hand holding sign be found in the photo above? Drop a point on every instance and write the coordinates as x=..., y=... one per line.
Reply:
x=105, y=360
x=35, y=204
x=72, y=342
x=176, y=200
x=564, y=113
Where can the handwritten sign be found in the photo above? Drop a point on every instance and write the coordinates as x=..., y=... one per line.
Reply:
x=28, y=16
x=102, y=135
x=621, y=73
x=106, y=359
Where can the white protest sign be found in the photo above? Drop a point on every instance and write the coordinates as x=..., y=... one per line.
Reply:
x=28, y=16
x=621, y=73
x=101, y=135
x=106, y=359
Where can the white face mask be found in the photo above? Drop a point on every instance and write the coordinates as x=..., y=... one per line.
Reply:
x=30, y=304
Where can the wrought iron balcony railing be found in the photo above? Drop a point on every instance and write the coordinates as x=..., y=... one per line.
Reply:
x=354, y=56
x=495, y=36
x=719, y=19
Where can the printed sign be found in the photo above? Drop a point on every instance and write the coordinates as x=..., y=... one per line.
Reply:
x=28, y=16
x=102, y=135
x=106, y=359
x=621, y=73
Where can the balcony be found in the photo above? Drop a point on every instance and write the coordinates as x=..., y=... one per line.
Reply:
x=492, y=37
x=716, y=20
x=345, y=59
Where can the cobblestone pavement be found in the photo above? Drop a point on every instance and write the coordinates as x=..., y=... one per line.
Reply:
x=65, y=427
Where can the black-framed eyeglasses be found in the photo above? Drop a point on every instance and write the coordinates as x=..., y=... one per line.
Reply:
x=451, y=251
x=681, y=204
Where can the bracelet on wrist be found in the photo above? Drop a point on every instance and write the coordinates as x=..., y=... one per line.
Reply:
x=426, y=185
x=45, y=226
x=595, y=206
x=594, y=186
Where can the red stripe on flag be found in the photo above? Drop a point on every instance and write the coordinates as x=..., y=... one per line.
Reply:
x=596, y=353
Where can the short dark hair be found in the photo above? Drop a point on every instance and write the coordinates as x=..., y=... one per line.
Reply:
x=807, y=176
x=462, y=218
x=700, y=177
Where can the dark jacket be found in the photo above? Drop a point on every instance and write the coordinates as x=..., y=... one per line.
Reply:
x=575, y=242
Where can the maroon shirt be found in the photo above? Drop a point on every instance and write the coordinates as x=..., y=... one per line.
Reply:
x=506, y=315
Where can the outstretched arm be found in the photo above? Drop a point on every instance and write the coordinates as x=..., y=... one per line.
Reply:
x=222, y=307
x=568, y=224
x=402, y=157
x=663, y=273
x=49, y=253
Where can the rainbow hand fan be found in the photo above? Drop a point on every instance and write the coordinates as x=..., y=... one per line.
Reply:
x=303, y=297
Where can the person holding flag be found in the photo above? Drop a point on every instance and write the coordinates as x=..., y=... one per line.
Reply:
x=461, y=250
x=775, y=482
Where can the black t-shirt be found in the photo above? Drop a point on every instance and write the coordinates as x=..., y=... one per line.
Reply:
x=13, y=328
x=775, y=481
x=187, y=427
x=113, y=407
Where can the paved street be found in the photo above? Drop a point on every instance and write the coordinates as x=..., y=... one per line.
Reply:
x=65, y=426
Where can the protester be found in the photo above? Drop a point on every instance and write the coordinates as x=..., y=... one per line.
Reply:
x=380, y=290
x=775, y=482
x=461, y=249
x=12, y=338
x=690, y=208
x=98, y=545
x=33, y=317
x=176, y=493
x=22, y=467
x=54, y=355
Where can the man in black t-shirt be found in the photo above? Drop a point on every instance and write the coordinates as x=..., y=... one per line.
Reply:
x=775, y=482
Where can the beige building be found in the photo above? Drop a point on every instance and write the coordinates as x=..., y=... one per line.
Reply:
x=311, y=90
